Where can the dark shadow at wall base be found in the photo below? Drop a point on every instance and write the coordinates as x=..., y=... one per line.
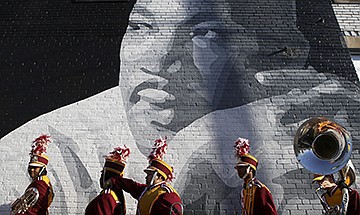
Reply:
x=66, y=53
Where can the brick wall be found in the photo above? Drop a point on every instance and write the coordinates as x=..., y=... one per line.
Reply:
x=202, y=73
x=348, y=17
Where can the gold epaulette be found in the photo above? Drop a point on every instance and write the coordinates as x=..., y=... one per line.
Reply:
x=112, y=193
x=259, y=184
x=45, y=178
x=168, y=188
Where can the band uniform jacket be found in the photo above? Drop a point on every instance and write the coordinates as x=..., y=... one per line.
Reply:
x=159, y=199
x=256, y=199
x=107, y=203
x=334, y=198
x=46, y=194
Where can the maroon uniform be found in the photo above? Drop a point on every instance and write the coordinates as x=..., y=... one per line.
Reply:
x=354, y=203
x=106, y=203
x=256, y=199
x=40, y=184
x=335, y=198
x=110, y=202
x=156, y=200
x=43, y=185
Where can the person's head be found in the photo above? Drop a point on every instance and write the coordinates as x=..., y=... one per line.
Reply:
x=153, y=177
x=105, y=176
x=246, y=167
x=115, y=163
x=246, y=164
x=200, y=56
x=324, y=181
x=182, y=60
x=157, y=171
x=111, y=169
x=38, y=160
x=245, y=172
x=36, y=171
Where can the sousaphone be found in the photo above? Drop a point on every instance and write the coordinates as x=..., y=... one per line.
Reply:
x=324, y=147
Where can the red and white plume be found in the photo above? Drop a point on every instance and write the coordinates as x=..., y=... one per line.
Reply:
x=159, y=149
x=242, y=147
x=40, y=144
x=120, y=154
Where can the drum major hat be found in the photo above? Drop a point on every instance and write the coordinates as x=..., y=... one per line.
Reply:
x=115, y=161
x=244, y=158
x=156, y=162
x=37, y=154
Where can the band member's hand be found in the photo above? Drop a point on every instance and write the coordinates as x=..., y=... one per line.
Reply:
x=148, y=115
x=153, y=96
x=311, y=93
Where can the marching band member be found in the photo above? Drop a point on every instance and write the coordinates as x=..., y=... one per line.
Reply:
x=39, y=193
x=256, y=198
x=157, y=196
x=338, y=198
x=110, y=202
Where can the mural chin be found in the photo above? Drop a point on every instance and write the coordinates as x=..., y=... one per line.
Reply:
x=147, y=123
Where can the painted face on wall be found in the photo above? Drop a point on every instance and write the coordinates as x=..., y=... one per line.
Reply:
x=178, y=61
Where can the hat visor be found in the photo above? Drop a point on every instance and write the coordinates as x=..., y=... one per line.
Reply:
x=150, y=169
x=36, y=165
x=245, y=164
x=242, y=164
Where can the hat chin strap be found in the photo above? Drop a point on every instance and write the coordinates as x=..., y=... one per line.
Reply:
x=103, y=177
x=247, y=172
x=153, y=179
x=40, y=172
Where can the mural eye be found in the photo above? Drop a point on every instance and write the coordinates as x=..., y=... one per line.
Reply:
x=199, y=32
x=138, y=25
x=140, y=28
x=205, y=34
x=210, y=29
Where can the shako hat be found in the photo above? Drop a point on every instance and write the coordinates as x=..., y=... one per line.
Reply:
x=156, y=162
x=115, y=161
x=38, y=149
x=244, y=158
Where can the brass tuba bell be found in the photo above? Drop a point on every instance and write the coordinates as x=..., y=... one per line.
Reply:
x=322, y=146
x=27, y=200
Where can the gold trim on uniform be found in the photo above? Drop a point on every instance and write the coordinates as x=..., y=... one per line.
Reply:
x=46, y=179
x=248, y=196
x=112, y=193
x=334, y=198
x=148, y=198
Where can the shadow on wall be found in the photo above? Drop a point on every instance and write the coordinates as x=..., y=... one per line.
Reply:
x=80, y=177
x=5, y=209
x=211, y=199
x=302, y=189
